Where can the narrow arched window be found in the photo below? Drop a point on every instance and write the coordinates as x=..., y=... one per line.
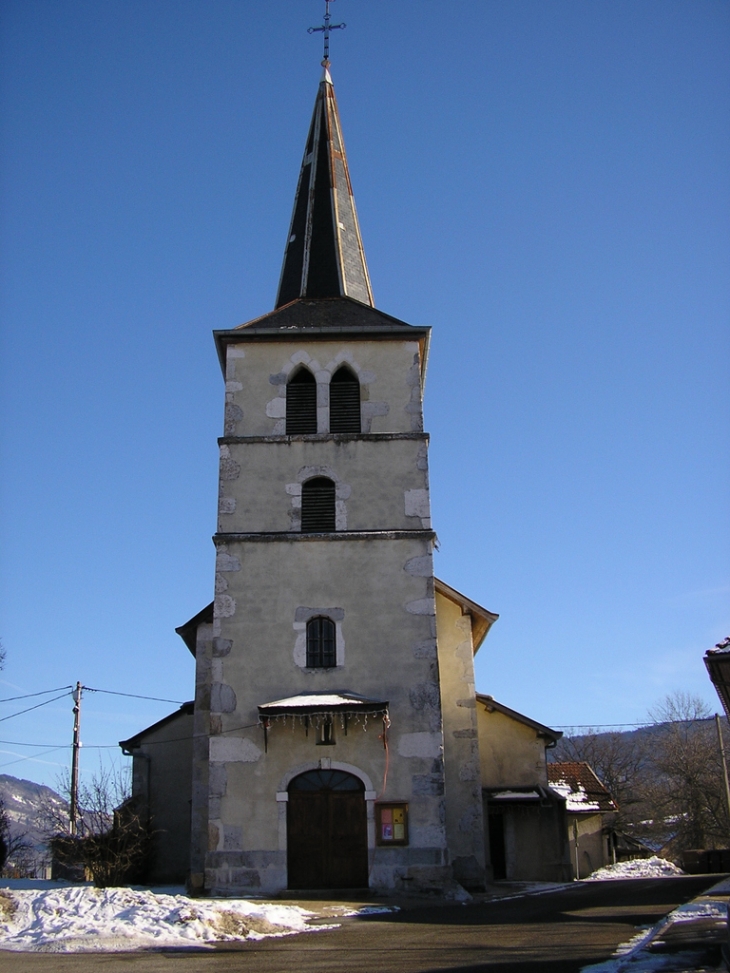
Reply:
x=321, y=652
x=344, y=401
x=318, y=504
x=301, y=403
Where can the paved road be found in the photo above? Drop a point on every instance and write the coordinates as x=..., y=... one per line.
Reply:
x=557, y=932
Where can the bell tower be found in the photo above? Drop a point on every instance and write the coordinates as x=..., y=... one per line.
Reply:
x=319, y=752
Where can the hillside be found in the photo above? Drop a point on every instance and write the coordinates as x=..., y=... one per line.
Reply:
x=23, y=801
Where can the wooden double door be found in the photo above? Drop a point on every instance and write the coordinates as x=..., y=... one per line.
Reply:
x=327, y=831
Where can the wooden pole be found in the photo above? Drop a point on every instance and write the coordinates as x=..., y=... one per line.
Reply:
x=74, y=802
x=724, y=761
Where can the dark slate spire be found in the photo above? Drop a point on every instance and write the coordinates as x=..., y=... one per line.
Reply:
x=324, y=256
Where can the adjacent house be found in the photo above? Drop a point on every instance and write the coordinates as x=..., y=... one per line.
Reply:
x=526, y=819
x=590, y=810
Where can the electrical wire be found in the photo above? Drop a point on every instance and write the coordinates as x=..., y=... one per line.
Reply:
x=111, y=692
x=17, y=743
x=37, y=706
x=45, y=692
x=36, y=757
x=604, y=726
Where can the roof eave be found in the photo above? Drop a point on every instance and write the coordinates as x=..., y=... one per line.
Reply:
x=482, y=619
x=490, y=703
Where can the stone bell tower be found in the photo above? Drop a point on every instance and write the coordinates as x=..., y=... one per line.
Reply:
x=320, y=754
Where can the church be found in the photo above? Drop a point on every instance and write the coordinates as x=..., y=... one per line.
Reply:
x=333, y=740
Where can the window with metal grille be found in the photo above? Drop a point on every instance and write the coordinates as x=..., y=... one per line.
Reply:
x=301, y=403
x=318, y=505
x=344, y=401
x=321, y=643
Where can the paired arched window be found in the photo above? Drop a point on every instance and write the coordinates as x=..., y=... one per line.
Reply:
x=318, y=505
x=321, y=650
x=301, y=403
x=344, y=401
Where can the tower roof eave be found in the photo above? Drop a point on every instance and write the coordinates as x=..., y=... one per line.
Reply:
x=324, y=319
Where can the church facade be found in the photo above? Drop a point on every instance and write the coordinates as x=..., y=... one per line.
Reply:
x=334, y=727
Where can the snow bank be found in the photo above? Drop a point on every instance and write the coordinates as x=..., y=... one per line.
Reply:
x=78, y=919
x=640, y=868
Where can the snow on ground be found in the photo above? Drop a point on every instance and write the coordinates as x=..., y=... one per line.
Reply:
x=635, y=955
x=640, y=868
x=84, y=919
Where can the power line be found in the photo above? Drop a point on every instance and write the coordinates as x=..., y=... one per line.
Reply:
x=111, y=692
x=17, y=743
x=45, y=692
x=603, y=726
x=36, y=757
x=37, y=706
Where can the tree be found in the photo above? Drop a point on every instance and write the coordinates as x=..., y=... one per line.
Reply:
x=13, y=847
x=667, y=777
x=685, y=789
x=113, y=839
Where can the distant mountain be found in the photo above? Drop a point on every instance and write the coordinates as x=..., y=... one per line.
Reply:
x=24, y=800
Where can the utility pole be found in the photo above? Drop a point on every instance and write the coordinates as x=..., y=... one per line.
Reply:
x=724, y=762
x=74, y=803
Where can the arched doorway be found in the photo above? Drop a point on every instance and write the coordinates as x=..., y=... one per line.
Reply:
x=327, y=845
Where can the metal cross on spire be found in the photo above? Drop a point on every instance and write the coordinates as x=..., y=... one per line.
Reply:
x=326, y=28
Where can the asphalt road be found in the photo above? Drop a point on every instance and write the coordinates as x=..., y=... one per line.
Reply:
x=557, y=932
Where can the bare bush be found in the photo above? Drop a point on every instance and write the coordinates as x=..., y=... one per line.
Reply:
x=112, y=842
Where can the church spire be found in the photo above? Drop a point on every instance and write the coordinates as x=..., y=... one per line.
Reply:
x=324, y=256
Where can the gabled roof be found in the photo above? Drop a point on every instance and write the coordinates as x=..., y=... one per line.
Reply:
x=481, y=619
x=138, y=739
x=491, y=704
x=582, y=790
x=188, y=631
x=324, y=255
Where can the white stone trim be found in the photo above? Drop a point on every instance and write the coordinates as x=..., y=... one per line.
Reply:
x=276, y=407
x=343, y=492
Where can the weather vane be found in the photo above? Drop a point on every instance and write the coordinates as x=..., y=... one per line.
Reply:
x=326, y=28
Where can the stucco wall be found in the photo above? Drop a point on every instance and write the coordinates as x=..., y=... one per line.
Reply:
x=464, y=815
x=162, y=768
x=592, y=852
x=511, y=753
x=381, y=483
x=381, y=591
x=388, y=371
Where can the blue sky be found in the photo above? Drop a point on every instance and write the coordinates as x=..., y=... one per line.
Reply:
x=545, y=183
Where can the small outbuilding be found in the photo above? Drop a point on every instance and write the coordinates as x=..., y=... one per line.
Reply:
x=590, y=810
x=526, y=820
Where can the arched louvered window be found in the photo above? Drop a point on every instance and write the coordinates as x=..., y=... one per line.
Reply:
x=344, y=401
x=318, y=504
x=321, y=652
x=301, y=403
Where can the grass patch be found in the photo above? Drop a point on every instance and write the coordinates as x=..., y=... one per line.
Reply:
x=234, y=924
x=8, y=906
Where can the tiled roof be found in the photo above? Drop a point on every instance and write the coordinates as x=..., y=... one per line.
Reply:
x=582, y=790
